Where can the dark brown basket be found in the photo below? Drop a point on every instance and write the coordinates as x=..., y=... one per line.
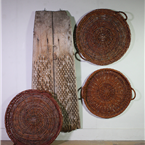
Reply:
x=33, y=118
x=102, y=36
x=107, y=93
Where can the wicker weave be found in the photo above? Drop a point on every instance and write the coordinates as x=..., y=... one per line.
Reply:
x=102, y=36
x=33, y=118
x=107, y=93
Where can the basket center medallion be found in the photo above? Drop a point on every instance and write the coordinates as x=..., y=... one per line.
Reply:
x=106, y=92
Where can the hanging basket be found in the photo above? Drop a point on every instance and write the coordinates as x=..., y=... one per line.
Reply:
x=33, y=118
x=102, y=36
x=107, y=93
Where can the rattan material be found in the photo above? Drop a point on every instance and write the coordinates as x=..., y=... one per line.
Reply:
x=103, y=36
x=33, y=118
x=107, y=93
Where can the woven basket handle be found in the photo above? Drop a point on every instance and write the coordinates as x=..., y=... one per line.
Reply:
x=80, y=89
x=124, y=14
x=134, y=94
x=77, y=52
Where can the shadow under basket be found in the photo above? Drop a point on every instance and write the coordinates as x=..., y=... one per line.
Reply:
x=33, y=117
x=107, y=93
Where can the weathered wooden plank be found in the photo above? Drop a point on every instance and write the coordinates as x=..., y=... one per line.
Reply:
x=65, y=79
x=42, y=72
x=53, y=63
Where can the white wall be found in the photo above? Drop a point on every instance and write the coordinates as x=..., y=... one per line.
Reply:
x=17, y=43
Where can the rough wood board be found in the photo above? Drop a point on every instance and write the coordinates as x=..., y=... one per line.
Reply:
x=64, y=72
x=53, y=63
x=42, y=74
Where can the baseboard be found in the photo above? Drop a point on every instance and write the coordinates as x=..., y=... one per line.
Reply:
x=96, y=134
x=103, y=134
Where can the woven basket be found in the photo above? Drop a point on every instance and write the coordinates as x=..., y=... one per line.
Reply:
x=102, y=36
x=33, y=118
x=107, y=93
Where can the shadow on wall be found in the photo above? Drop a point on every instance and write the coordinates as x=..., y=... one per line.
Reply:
x=29, y=50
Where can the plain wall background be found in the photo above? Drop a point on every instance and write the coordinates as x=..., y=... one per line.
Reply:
x=17, y=44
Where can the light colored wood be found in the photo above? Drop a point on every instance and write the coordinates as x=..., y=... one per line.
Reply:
x=53, y=63
x=88, y=143
x=42, y=70
x=65, y=80
x=62, y=33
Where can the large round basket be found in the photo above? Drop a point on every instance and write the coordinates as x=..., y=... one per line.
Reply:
x=102, y=36
x=107, y=93
x=33, y=118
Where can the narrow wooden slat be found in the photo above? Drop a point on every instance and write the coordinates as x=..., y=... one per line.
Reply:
x=42, y=73
x=65, y=79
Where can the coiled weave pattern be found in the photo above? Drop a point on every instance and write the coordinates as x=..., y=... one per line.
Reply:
x=107, y=93
x=33, y=118
x=103, y=36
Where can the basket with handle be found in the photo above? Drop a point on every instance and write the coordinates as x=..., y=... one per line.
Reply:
x=107, y=93
x=102, y=36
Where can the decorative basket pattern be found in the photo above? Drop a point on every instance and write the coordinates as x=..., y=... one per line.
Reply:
x=33, y=118
x=107, y=93
x=102, y=36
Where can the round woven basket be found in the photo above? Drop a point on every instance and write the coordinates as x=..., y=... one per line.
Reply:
x=33, y=118
x=107, y=93
x=102, y=36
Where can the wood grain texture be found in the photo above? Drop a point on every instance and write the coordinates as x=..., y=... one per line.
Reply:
x=65, y=80
x=42, y=74
x=53, y=63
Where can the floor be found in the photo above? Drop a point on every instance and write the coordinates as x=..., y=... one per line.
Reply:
x=88, y=143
